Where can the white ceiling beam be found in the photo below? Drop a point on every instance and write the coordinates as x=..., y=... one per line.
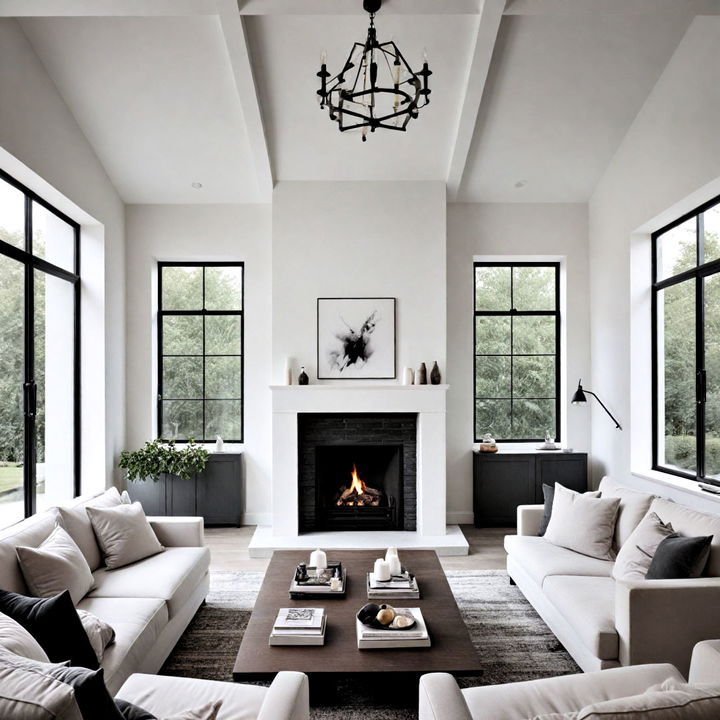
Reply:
x=237, y=46
x=488, y=25
x=354, y=7
x=606, y=7
x=106, y=8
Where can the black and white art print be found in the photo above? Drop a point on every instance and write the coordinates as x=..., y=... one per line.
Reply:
x=356, y=338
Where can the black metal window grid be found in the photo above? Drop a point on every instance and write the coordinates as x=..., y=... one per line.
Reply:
x=512, y=313
x=204, y=314
x=33, y=263
x=694, y=278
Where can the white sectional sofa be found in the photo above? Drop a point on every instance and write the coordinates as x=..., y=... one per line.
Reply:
x=149, y=603
x=603, y=623
x=442, y=699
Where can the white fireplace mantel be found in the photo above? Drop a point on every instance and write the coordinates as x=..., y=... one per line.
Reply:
x=427, y=401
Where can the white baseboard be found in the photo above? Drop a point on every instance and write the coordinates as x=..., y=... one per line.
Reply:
x=257, y=518
x=463, y=517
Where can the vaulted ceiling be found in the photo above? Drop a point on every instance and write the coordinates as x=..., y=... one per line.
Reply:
x=530, y=100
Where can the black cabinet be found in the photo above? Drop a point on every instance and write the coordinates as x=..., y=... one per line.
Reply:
x=504, y=480
x=216, y=494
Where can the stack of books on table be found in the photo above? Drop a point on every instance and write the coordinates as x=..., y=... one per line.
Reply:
x=299, y=626
x=416, y=637
x=399, y=587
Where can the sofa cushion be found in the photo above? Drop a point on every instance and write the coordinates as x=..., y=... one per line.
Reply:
x=541, y=559
x=636, y=554
x=124, y=535
x=76, y=521
x=162, y=696
x=28, y=695
x=584, y=524
x=16, y=639
x=57, y=564
x=137, y=622
x=31, y=533
x=171, y=576
x=588, y=606
x=690, y=523
x=633, y=507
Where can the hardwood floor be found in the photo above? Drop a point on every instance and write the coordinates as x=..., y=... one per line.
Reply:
x=228, y=548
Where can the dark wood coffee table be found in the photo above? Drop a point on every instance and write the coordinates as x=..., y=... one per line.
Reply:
x=451, y=651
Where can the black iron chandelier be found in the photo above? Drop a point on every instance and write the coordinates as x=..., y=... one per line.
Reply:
x=376, y=87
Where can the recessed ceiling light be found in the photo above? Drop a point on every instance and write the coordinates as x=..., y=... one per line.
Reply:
x=521, y=183
x=197, y=185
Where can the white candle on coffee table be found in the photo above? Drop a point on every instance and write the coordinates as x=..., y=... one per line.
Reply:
x=395, y=566
x=382, y=570
x=318, y=559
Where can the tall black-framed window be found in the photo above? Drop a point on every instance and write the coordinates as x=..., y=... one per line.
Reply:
x=516, y=342
x=686, y=345
x=39, y=353
x=200, y=351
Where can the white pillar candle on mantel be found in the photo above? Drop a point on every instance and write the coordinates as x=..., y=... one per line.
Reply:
x=382, y=570
x=318, y=559
x=288, y=371
x=408, y=376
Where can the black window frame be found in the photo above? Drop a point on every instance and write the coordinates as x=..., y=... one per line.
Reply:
x=161, y=314
x=696, y=274
x=32, y=263
x=519, y=313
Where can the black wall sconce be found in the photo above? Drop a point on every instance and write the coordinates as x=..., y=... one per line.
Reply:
x=580, y=399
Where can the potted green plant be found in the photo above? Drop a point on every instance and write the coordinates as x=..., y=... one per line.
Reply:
x=169, y=468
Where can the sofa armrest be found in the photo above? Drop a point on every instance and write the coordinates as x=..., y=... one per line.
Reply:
x=662, y=620
x=705, y=663
x=179, y=531
x=288, y=698
x=529, y=518
x=441, y=699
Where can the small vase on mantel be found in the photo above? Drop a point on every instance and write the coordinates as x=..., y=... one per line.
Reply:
x=435, y=374
x=303, y=378
x=421, y=375
x=408, y=376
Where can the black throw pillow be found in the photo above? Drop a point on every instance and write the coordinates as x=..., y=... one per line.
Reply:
x=680, y=558
x=55, y=624
x=91, y=695
x=549, y=495
x=133, y=712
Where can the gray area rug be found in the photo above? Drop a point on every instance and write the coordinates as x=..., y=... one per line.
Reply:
x=512, y=641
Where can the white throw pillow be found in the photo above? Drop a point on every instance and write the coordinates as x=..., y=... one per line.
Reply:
x=633, y=508
x=77, y=523
x=583, y=524
x=671, y=700
x=123, y=534
x=16, y=639
x=637, y=553
x=57, y=564
x=26, y=694
x=98, y=631
x=206, y=712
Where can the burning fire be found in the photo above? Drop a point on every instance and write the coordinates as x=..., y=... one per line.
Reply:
x=358, y=493
x=357, y=485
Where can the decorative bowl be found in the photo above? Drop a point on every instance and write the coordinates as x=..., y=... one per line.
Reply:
x=367, y=616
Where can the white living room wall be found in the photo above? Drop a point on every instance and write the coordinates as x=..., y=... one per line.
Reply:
x=42, y=146
x=668, y=163
x=513, y=231
x=359, y=239
x=203, y=233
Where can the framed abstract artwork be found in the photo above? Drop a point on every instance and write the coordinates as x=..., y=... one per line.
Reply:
x=356, y=338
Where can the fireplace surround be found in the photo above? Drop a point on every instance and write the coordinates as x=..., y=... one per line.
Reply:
x=382, y=450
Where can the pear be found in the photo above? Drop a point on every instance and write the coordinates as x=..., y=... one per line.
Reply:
x=386, y=615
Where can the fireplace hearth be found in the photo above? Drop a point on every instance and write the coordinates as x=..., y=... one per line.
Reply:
x=357, y=472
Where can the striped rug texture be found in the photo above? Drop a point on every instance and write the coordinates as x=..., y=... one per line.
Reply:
x=512, y=641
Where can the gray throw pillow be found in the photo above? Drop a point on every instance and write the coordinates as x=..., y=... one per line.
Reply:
x=583, y=524
x=56, y=565
x=16, y=639
x=637, y=553
x=98, y=631
x=679, y=558
x=123, y=534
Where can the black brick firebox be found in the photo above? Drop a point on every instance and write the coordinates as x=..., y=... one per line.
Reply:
x=386, y=444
